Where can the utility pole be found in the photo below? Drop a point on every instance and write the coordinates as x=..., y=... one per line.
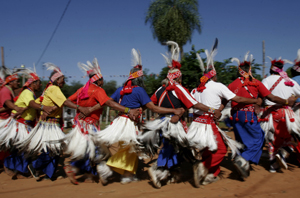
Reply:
x=263, y=65
x=2, y=56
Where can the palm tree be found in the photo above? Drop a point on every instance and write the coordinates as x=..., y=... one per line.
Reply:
x=173, y=20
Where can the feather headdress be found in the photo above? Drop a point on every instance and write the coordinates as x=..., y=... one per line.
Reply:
x=209, y=66
x=31, y=75
x=136, y=61
x=296, y=66
x=91, y=69
x=12, y=75
x=277, y=66
x=173, y=63
x=51, y=66
x=245, y=74
x=136, y=58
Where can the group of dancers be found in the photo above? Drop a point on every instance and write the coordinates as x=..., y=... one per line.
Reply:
x=32, y=140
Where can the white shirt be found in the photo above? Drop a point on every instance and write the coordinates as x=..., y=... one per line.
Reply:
x=212, y=95
x=281, y=90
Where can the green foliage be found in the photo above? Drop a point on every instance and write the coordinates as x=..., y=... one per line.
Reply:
x=173, y=20
x=191, y=74
x=110, y=87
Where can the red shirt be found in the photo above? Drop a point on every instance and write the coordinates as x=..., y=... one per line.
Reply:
x=179, y=97
x=237, y=88
x=5, y=94
x=96, y=95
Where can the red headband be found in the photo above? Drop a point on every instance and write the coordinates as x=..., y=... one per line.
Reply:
x=204, y=79
x=33, y=78
x=11, y=78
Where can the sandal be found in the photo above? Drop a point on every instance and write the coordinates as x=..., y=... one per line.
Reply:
x=71, y=174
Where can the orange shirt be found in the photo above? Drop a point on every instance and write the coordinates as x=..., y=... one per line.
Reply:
x=96, y=95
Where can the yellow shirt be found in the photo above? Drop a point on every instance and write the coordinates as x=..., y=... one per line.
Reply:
x=54, y=97
x=23, y=101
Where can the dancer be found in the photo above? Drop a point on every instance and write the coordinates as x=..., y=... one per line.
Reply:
x=16, y=130
x=174, y=138
x=204, y=135
x=279, y=121
x=246, y=126
x=7, y=105
x=78, y=142
x=48, y=127
x=124, y=130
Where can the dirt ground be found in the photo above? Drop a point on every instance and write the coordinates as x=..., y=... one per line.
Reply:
x=261, y=183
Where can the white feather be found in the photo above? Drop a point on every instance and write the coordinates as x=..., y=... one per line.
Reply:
x=246, y=56
x=200, y=62
x=236, y=60
x=168, y=61
x=251, y=59
x=134, y=57
x=298, y=56
x=287, y=61
x=271, y=59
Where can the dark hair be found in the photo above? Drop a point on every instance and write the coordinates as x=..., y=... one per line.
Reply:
x=246, y=68
x=137, y=81
x=91, y=76
x=294, y=72
x=277, y=64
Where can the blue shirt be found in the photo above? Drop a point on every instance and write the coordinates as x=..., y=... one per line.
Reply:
x=136, y=99
x=297, y=79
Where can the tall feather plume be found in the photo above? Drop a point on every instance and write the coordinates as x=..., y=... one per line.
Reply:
x=279, y=58
x=287, y=61
x=34, y=69
x=176, y=50
x=246, y=56
x=236, y=60
x=167, y=59
x=96, y=65
x=51, y=66
x=271, y=59
x=200, y=62
x=298, y=56
x=140, y=58
x=251, y=59
x=134, y=57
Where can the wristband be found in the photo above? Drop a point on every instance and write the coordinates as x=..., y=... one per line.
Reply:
x=211, y=110
x=286, y=102
x=42, y=106
x=126, y=110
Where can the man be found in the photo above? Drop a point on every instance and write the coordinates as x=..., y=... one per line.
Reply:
x=246, y=127
x=79, y=143
x=7, y=103
x=173, y=95
x=125, y=131
x=204, y=135
x=48, y=129
x=17, y=130
x=279, y=121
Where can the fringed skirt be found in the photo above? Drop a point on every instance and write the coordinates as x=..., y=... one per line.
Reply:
x=201, y=135
x=280, y=115
x=13, y=132
x=173, y=137
x=40, y=137
x=122, y=129
x=80, y=145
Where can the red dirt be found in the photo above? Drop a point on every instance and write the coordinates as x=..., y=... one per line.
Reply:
x=261, y=183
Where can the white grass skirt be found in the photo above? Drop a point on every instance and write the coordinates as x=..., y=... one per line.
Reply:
x=201, y=136
x=80, y=144
x=40, y=137
x=122, y=130
x=12, y=133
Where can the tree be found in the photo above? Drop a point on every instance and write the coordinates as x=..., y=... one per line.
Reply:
x=110, y=87
x=173, y=20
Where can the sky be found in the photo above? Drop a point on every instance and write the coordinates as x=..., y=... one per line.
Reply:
x=109, y=30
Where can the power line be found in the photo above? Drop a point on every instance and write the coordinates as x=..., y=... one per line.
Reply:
x=62, y=16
